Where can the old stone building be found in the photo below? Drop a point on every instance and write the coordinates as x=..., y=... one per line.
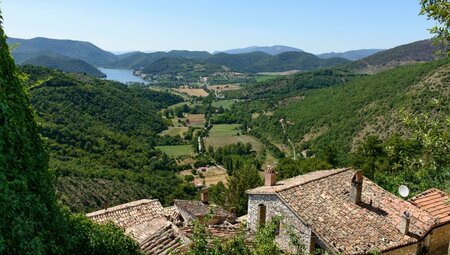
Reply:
x=167, y=230
x=147, y=222
x=194, y=209
x=342, y=212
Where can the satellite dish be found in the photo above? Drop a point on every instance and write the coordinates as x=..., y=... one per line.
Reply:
x=403, y=191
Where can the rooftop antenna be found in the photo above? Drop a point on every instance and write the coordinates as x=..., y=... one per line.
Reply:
x=403, y=191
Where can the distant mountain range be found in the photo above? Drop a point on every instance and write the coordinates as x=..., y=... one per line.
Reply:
x=350, y=55
x=253, y=59
x=271, y=50
x=65, y=64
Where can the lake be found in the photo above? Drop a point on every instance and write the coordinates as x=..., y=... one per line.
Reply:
x=121, y=75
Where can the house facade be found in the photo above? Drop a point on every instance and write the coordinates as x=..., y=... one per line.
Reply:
x=342, y=212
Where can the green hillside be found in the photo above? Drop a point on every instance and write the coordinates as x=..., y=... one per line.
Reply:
x=26, y=49
x=293, y=85
x=65, y=64
x=420, y=51
x=103, y=129
x=343, y=115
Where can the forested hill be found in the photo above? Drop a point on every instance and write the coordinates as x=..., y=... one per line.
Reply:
x=293, y=85
x=24, y=49
x=65, y=64
x=136, y=60
x=420, y=51
x=102, y=129
x=346, y=112
x=181, y=65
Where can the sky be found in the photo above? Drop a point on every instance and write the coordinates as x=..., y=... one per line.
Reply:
x=316, y=26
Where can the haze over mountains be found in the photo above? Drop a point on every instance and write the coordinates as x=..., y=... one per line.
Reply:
x=253, y=59
x=350, y=55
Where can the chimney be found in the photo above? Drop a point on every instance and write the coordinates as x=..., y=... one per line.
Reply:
x=204, y=196
x=270, y=177
x=356, y=188
x=404, y=223
x=232, y=213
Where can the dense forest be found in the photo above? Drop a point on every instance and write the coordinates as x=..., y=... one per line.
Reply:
x=105, y=130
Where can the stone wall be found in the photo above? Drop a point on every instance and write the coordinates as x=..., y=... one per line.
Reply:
x=275, y=207
x=439, y=240
x=406, y=250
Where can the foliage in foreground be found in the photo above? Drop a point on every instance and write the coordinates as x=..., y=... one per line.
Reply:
x=32, y=222
x=438, y=10
x=421, y=160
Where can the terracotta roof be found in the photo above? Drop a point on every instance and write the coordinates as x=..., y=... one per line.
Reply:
x=295, y=181
x=145, y=221
x=172, y=212
x=130, y=214
x=321, y=200
x=222, y=231
x=199, y=209
x=164, y=241
x=435, y=202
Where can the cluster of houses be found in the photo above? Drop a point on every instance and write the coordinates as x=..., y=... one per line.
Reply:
x=337, y=211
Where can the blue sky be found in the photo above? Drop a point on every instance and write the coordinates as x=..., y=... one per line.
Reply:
x=315, y=26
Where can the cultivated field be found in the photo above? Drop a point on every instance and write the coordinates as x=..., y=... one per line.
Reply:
x=212, y=176
x=226, y=104
x=224, y=134
x=196, y=120
x=193, y=92
x=177, y=150
x=224, y=87
x=174, y=131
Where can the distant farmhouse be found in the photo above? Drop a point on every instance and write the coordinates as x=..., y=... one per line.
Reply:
x=334, y=211
x=342, y=212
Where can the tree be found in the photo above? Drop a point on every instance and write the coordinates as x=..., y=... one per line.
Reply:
x=369, y=156
x=243, y=179
x=438, y=10
x=218, y=194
